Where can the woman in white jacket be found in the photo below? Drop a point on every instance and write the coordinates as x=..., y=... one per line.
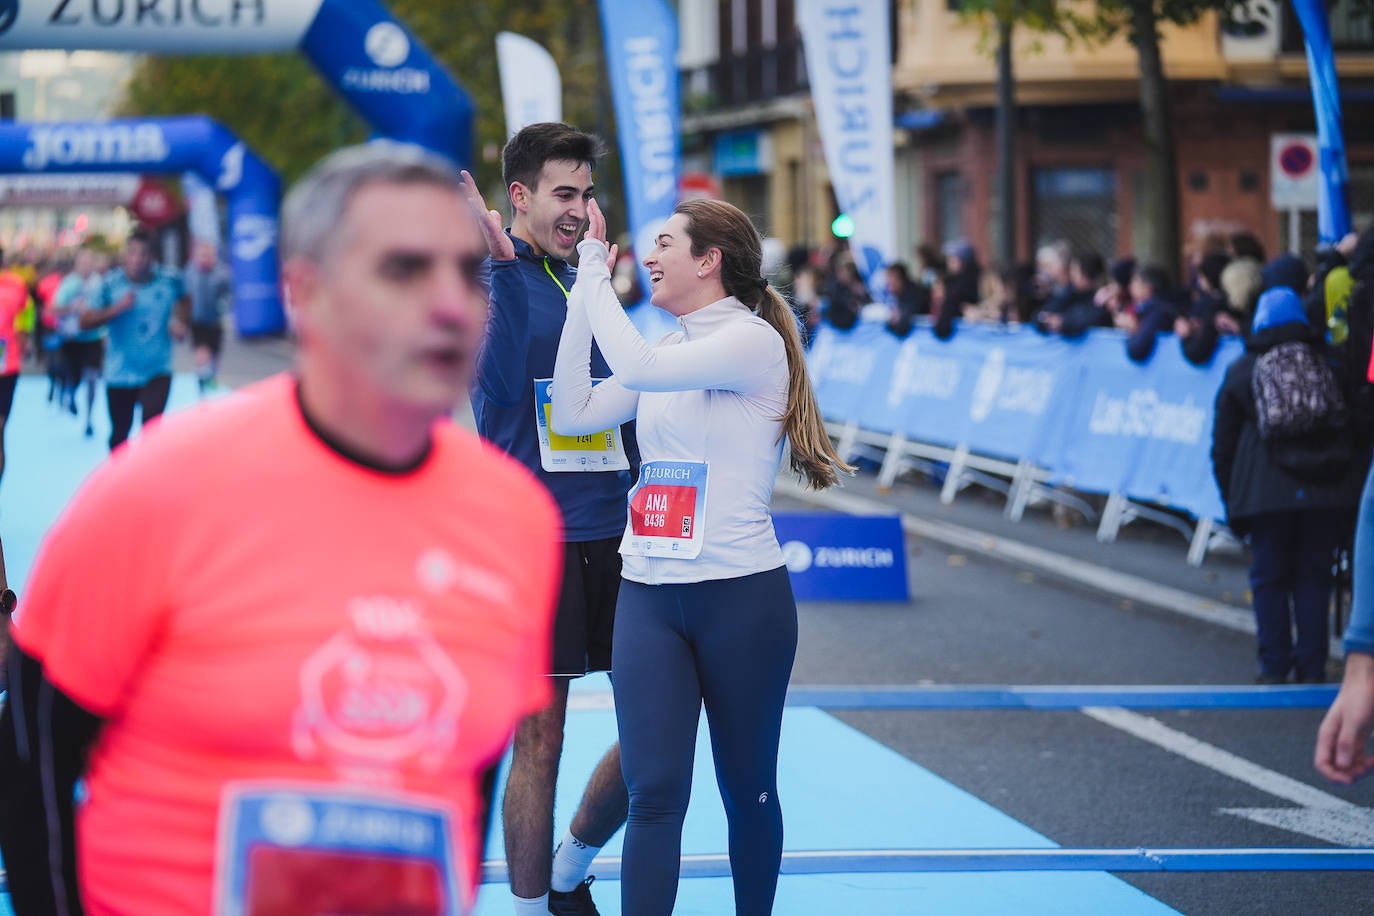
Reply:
x=706, y=614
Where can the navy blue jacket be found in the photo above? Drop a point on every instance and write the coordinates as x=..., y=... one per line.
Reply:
x=527, y=313
x=1154, y=316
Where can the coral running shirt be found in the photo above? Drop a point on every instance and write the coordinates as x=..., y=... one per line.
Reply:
x=304, y=665
x=16, y=317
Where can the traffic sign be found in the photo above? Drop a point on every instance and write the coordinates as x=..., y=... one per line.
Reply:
x=1294, y=171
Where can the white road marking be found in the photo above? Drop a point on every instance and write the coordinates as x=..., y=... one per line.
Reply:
x=1321, y=815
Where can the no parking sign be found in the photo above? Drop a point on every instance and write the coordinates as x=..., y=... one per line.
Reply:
x=1294, y=171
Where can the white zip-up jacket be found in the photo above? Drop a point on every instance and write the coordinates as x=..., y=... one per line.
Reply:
x=716, y=391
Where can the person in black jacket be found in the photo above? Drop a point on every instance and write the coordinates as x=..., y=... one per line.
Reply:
x=1088, y=274
x=1209, y=315
x=845, y=293
x=906, y=299
x=1293, y=499
x=1156, y=307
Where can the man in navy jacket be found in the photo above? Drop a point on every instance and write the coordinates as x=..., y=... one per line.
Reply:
x=547, y=170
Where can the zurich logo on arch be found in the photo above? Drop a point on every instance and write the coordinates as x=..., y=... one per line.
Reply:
x=387, y=45
x=9, y=15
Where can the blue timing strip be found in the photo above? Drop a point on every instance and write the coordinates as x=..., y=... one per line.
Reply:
x=977, y=860
x=1316, y=696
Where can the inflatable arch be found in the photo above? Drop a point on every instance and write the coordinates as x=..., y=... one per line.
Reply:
x=379, y=68
x=174, y=145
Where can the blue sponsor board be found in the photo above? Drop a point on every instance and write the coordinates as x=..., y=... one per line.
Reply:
x=836, y=557
x=1079, y=409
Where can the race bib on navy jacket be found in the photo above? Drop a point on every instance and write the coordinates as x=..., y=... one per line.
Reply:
x=528, y=308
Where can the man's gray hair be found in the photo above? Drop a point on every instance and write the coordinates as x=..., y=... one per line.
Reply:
x=314, y=209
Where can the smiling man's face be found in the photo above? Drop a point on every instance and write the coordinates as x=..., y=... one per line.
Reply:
x=553, y=213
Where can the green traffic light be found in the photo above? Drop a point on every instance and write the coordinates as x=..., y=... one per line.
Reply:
x=843, y=226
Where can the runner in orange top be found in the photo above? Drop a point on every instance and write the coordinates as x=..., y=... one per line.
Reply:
x=16, y=325
x=308, y=616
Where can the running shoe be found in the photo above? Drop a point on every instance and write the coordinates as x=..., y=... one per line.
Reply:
x=576, y=902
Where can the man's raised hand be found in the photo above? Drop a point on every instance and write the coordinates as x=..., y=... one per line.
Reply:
x=498, y=243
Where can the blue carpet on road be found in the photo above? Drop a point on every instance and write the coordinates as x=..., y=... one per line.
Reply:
x=840, y=789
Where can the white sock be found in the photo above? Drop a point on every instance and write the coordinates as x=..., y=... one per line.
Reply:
x=531, y=906
x=571, y=860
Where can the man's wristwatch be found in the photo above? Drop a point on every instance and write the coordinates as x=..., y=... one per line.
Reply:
x=8, y=601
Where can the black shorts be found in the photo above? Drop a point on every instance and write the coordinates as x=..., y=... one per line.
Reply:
x=7, y=383
x=586, y=607
x=83, y=354
x=207, y=334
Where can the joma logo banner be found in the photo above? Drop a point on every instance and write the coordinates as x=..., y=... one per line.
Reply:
x=121, y=144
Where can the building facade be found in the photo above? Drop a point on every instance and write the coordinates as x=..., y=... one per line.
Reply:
x=1080, y=157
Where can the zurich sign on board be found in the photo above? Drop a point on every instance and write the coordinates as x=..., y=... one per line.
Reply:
x=834, y=557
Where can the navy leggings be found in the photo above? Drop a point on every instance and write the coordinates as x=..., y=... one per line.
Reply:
x=728, y=644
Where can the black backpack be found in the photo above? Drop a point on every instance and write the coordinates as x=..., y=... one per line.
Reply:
x=1301, y=412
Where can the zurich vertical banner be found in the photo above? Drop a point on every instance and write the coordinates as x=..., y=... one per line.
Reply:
x=641, y=43
x=1333, y=211
x=531, y=90
x=848, y=60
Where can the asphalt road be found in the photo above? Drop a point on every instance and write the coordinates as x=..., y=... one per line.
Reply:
x=1076, y=780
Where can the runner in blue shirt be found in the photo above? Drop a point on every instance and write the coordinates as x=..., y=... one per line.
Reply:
x=140, y=309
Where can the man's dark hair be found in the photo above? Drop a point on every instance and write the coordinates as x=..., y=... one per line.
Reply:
x=1211, y=267
x=525, y=154
x=142, y=236
x=1156, y=277
x=1091, y=265
x=1246, y=245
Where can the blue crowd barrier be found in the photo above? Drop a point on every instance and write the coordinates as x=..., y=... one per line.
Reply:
x=1079, y=411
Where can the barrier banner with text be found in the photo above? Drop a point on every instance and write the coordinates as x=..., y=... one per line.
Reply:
x=1080, y=409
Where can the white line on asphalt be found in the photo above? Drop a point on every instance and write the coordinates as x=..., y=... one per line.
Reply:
x=1322, y=815
x=1123, y=585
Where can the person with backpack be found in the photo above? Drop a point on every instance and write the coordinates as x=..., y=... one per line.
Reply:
x=1285, y=463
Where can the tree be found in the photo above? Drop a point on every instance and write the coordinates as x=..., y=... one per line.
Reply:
x=281, y=107
x=1139, y=21
x=1001, y=17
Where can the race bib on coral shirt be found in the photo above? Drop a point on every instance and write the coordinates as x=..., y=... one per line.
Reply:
x=312, y=851
x=667, y=510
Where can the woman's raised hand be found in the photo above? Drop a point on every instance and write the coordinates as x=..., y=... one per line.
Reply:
x=596, y=228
